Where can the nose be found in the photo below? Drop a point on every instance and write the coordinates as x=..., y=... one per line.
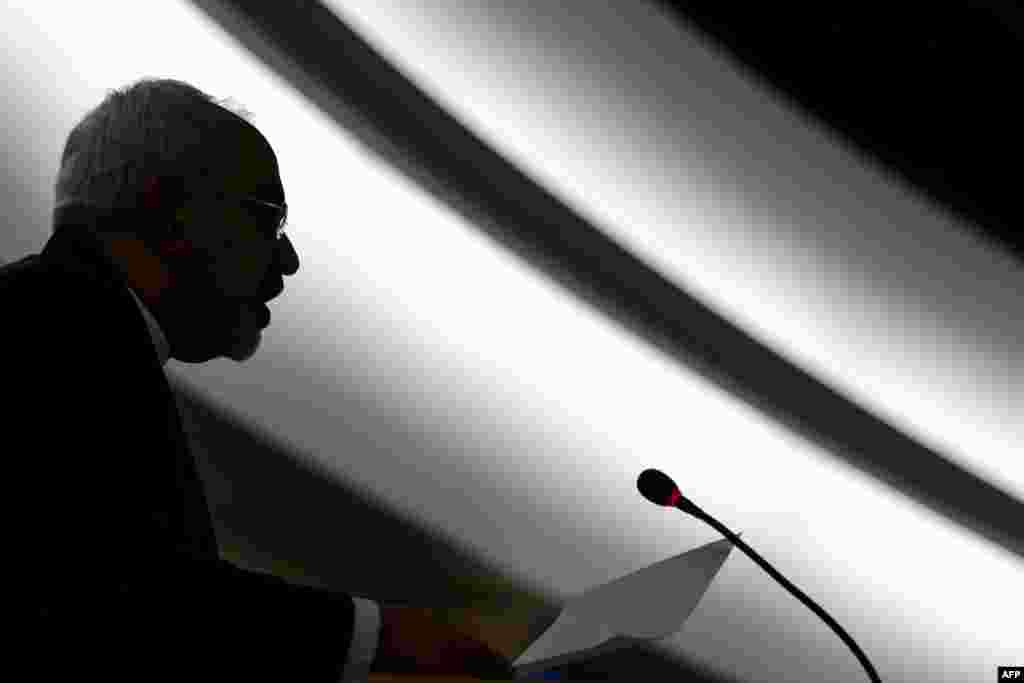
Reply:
x=287, y=259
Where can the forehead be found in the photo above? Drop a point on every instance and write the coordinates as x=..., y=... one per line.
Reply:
x=250, y=166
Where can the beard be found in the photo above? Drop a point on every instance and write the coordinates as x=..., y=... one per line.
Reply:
x=199, y=321
x=245, y=345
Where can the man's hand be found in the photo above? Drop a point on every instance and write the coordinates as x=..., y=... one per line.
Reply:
x=422, y=641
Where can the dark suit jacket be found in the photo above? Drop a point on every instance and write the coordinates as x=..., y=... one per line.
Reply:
x=112, y=544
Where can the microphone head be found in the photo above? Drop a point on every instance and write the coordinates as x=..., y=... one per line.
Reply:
x=658, y=487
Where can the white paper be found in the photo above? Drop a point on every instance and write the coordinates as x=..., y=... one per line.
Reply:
x=648, y=604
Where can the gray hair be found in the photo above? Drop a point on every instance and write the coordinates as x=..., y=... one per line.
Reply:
x=151, y=128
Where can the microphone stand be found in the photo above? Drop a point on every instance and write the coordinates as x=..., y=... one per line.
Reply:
x=814, y=607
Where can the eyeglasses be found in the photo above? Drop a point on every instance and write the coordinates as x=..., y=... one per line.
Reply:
x=270, y=214
x=276, y=215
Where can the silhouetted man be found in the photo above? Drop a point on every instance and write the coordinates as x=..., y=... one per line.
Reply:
x=167, y=243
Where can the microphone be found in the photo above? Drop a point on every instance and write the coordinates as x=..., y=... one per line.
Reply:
x=658, y=487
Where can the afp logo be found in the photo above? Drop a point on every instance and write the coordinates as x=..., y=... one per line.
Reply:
x=1011, y=673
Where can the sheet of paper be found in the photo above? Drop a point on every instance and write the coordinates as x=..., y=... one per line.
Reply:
x=648, y=604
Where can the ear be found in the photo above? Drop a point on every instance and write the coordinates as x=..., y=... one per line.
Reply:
x=178, y=245
x=139, y=265
x=151, y=194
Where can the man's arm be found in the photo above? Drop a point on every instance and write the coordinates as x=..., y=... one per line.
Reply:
x=417, y=641
x=104, y=550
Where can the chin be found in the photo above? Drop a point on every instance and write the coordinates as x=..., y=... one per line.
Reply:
x=238, y=348
x=245, y=348
x=194, y=357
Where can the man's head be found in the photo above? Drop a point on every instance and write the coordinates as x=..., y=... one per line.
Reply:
x=210, y=257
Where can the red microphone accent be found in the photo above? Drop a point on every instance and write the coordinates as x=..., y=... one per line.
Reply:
x=675, y=496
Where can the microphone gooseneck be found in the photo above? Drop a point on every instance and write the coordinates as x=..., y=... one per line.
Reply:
x=658, y=487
